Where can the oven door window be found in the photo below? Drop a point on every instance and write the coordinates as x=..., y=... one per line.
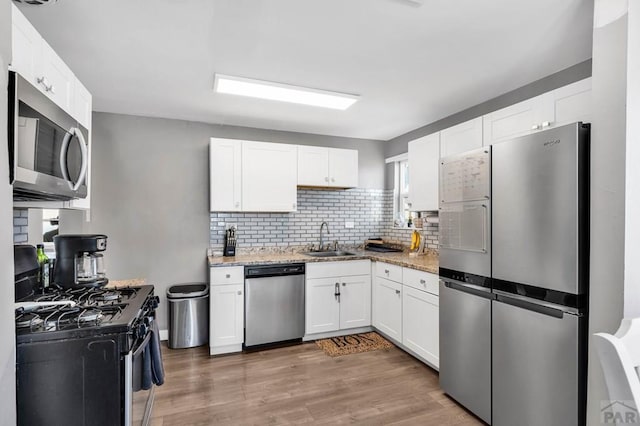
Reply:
x=40, y=144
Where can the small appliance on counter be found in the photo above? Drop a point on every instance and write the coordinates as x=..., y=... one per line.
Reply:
x=79, y=261
x=230, y=242
x=377, y=245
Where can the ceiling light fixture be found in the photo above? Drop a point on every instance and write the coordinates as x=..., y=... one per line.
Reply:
x=282, y=92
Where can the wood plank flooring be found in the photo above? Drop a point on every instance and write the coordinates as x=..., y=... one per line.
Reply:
x=301, y=385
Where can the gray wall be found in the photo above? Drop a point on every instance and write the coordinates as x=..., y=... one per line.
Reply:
x=150, y=192
x=7, y=327
x=577, y=72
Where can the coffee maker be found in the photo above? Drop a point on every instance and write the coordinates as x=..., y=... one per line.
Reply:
x=79, y=262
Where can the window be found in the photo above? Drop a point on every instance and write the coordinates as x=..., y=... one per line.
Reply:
x=402, y=215
x=50, y=221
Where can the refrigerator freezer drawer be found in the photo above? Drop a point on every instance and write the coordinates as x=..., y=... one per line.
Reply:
x=465, y=347
x=536, y=367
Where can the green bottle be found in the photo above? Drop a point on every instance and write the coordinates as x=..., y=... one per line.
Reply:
x=43, y=263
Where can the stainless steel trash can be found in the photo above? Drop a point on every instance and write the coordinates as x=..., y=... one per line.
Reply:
x=188, y=315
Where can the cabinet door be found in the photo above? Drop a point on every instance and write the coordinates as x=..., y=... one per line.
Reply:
x=313, y=166
x=59, y=78
x=355, y=301
x=269, y=177
x=513, y=121
x=26, y=48
x=322, y=308
x=424, y=155
x=420, y=324
x=388, y=308
x=343, y=168
x=225, y=173
x=227, y=315
x=82, y=104
x=569, y=104
x=462, y=137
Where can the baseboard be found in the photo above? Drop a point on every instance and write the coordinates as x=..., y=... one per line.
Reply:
x=337, y=333
x=164, y=335
x=409, y=351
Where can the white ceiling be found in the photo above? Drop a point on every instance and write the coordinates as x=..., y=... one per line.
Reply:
x=410, y=65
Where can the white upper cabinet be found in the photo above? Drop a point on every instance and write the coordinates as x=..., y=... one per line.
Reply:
x=327, y=167
x=225, y=171
x=269, y=177
x=513, y=121
x=568, y=104
x=558, y=107
x=82, y=104
x=424, y=154
x=343, y=168
x=38, y=63
x=26, y=48
x=313, y=166
x=461, y=137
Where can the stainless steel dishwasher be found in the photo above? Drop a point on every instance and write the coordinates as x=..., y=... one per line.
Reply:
x=274, y=303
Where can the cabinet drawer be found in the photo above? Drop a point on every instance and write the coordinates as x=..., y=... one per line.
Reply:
x=227, y=275
x=388, y=271
x=345, y=268
x=420, y=280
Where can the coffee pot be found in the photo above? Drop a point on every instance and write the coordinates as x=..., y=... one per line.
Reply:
x=79, y=261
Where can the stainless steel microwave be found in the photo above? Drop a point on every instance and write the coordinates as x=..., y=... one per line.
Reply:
x=48, y=151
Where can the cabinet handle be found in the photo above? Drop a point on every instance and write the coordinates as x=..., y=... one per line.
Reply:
x=239, y=292
x=535, y=127
x=228, y=275
x=326, y=179
x=336, y=292
x=423, y=282
x=294, y=205
x=47, y=87
x=237, y=204
x=397, y=291
x=333, y=180
x=546, y=124
x=386, y=271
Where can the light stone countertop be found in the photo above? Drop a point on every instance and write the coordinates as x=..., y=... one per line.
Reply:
x=427, y=262
x=136, y=282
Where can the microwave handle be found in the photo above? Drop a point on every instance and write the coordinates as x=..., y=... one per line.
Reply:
x=83, y=150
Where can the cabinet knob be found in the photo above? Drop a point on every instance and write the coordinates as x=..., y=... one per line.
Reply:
x=228, y=275
x=294, y=205
x=333, y=180
x=397, y=291
x=535, y=127
x=239, y=292
x=326, y=179
x=546, y=124
x=423, y=282
x=386, y=271
x=237, y=204
x=344, y=284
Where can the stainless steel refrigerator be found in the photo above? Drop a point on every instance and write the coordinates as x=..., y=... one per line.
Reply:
x=539, y=285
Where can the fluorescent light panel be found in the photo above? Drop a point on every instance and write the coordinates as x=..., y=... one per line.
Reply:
x=282, y=92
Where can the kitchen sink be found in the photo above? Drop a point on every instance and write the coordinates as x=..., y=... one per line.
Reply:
x=329, y=253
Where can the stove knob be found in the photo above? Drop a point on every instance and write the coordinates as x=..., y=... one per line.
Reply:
x=154, y=302
x=141, y=331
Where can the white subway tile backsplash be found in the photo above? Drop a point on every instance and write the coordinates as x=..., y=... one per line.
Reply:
x=369, y=209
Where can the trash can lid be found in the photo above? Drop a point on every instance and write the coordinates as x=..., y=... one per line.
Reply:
x=187, y=290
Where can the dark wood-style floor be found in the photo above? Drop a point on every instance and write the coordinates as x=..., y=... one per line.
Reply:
x=300, y=384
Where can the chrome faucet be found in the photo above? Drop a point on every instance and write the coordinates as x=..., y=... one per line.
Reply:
x=322, y=239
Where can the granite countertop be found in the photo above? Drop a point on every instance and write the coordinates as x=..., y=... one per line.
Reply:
x=427, y=262
x=136, y=282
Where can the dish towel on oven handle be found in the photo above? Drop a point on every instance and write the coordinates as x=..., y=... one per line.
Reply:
x=152, y=369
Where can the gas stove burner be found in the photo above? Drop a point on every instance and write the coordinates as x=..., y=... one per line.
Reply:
x=28, y=320
x=108, y=296
x=90, y=315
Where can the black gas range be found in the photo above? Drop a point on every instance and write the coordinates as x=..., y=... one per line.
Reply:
x=83, y=355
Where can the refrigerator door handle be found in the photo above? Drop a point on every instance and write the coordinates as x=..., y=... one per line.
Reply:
x=531, y=306
x=476, y=290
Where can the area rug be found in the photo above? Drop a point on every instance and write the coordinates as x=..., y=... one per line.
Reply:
x=353, y=344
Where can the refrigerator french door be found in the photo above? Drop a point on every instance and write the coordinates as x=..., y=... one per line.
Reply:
x=539, y=277
x=465, y=289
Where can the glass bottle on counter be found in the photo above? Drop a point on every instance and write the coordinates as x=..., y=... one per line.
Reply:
x=44, y=265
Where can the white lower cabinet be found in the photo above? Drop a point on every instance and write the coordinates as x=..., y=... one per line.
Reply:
x=226, y=311
x=420, y=324
x=338, y=296
x=388, y=308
